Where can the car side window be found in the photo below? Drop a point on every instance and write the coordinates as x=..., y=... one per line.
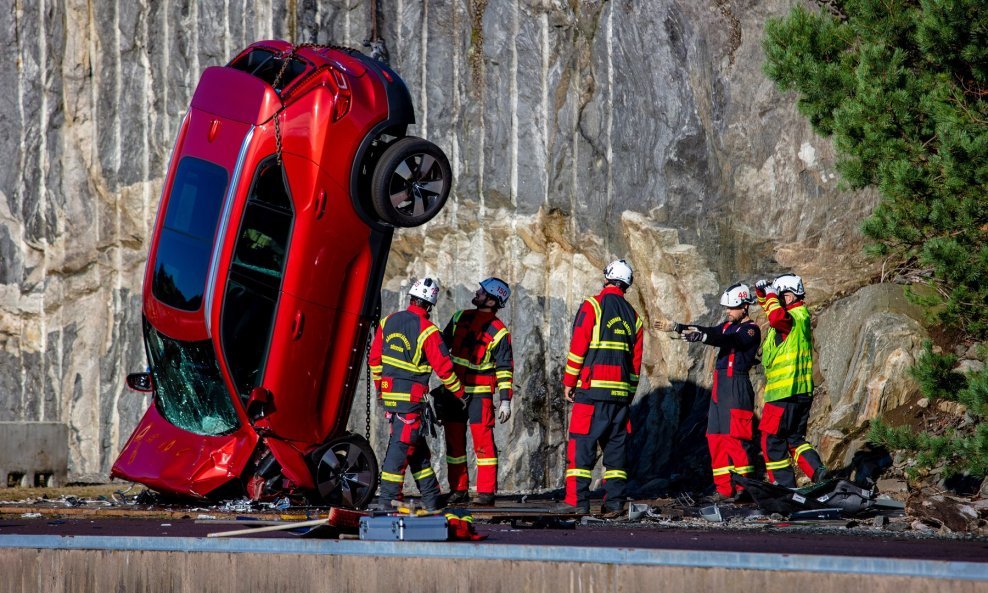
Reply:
x=251, y=294
x=186, y=239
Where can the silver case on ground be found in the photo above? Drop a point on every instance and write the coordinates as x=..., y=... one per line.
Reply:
x=400, y=528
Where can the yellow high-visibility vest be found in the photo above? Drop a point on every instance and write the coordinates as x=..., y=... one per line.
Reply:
x=789, y=365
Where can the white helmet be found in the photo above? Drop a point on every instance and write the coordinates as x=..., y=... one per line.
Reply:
x=497, y=289
x=426, y=289
x=789, y=282
x=619, y=270
x=735, y=296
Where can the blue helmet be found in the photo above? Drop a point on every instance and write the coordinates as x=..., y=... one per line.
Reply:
x=497, y=289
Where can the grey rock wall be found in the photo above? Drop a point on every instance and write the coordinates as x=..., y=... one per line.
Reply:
x=579, y=132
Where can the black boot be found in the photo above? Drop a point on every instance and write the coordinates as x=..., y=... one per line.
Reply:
x=568, y=509
x=457, y=497
x=612, y=512
x=484, y=500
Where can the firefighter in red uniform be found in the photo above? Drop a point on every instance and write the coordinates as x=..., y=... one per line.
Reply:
x=405, y=351
x=732, y=399
x=480, y=345
x=787, y=356
x=601, y=377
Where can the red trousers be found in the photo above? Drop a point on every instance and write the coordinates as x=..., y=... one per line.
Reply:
x=729, y=428
x=480, y=415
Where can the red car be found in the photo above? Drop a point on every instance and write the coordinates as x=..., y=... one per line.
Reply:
x=290, y=172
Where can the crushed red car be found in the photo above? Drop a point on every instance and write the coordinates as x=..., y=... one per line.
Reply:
x=291, y=170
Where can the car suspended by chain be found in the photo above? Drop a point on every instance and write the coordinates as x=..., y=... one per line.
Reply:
x=290, y=172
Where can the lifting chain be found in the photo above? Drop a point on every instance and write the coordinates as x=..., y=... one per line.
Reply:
x=277, y=135
x=373, y=329
x=277, y=79
x=379, y=49
x=367, y=378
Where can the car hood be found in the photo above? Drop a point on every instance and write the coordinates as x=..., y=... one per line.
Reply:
x=169, y=459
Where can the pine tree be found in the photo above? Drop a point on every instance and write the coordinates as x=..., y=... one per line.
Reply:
x=963, y=451
x=901, y=88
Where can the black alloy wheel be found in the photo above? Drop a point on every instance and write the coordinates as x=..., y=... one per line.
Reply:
x=411, y=182
x=347, y=473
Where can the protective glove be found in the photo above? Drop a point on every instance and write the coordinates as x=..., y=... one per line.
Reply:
x=669, y=326
x=504, y=411
x=695, y=336
x=764, y=286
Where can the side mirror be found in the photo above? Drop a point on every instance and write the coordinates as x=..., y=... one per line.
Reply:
x=259, y=403
x=139, y=382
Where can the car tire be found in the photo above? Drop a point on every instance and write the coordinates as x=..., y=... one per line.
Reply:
x=346, y=472
x=411, y=182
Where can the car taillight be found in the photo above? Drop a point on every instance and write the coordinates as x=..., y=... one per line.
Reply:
x=342, y=96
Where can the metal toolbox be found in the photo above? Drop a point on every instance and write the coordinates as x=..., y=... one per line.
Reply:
x=402, y=528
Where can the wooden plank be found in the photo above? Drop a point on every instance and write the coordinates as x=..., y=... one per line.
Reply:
x=244, y=522
x=282, y=527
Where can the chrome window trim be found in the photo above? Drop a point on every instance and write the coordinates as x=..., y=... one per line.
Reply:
x=222, y=228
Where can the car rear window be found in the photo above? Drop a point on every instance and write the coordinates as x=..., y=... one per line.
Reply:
x=186, y=241
x=266, y=65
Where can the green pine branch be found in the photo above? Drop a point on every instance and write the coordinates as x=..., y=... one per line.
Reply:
x=901, y=88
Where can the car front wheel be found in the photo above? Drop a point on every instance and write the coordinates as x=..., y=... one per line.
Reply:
x=411, y=182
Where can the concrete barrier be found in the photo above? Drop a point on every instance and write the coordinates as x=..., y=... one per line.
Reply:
x=33, y=454
x=51, y=564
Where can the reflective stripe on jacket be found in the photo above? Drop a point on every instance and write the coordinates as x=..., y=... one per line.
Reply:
x=789, y=363
x=406, y=349
x=480, y=346
x=604, y=360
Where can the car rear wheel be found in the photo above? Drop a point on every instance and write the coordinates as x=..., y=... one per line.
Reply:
x=346, y=472
x=411, y=182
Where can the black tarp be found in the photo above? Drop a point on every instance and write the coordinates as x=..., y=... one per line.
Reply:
x=832, y=494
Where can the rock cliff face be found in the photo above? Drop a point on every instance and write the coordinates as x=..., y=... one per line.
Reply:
x=579, y=132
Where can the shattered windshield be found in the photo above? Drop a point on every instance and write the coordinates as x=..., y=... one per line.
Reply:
x=189, y=387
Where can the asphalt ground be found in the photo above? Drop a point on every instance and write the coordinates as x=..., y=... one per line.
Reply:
x=103, y=513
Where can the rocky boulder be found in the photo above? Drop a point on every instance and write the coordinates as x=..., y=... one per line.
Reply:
x=865, y=344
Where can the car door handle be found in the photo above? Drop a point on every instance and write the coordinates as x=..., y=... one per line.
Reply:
x=320, y=204
x=297, y=324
